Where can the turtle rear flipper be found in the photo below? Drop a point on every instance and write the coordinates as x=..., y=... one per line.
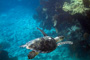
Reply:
x=32, y=54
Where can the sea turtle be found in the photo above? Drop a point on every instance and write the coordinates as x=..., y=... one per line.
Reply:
x=44, y=44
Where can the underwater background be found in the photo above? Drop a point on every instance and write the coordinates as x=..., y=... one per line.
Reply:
x=69, y=18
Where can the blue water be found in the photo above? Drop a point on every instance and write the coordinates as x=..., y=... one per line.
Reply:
x=17, y=27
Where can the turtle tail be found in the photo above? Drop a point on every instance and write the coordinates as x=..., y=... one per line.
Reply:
x=32, y=54
x=23, y=46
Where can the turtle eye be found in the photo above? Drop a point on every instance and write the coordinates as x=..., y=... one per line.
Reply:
x=61, y=37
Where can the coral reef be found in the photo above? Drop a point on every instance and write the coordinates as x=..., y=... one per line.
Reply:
x=46, y=12
x=70, y=18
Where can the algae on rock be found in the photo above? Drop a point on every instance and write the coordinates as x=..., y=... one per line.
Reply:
x=74, y=7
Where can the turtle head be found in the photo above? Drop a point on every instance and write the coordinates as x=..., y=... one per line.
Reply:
x=59, y=38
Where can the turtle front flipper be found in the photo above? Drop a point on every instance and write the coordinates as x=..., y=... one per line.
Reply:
x=66, y=42
x=32, y=54
x=42, y=32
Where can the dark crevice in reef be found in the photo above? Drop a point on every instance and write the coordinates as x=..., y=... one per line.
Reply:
x=4, y=56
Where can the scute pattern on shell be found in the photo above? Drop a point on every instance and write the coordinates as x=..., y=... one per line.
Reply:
x=44, y=45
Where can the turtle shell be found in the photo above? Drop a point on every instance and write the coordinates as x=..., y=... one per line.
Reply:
x=44, y=45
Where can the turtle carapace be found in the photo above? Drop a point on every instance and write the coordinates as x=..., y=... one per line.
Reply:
x=44, y=44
